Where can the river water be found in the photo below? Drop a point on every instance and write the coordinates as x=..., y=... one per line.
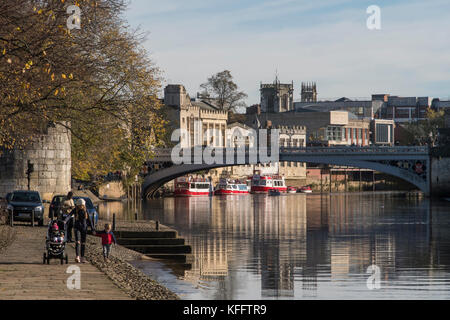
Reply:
x=299, y=246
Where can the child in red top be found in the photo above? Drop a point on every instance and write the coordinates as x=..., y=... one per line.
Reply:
x=108, y=239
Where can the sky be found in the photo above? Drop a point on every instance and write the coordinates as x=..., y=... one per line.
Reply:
x=326, y=41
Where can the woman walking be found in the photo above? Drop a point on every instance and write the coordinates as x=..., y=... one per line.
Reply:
x=81, y=222
x=67, y=207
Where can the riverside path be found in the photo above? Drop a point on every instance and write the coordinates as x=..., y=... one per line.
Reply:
x=23, y=275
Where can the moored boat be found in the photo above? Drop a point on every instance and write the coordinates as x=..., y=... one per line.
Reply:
x=305, y=189
x=264, y=183
x=226, y=186
x=291, y=189
x=189, y=186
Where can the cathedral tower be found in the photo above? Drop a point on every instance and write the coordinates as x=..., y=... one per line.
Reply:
x=309, y=92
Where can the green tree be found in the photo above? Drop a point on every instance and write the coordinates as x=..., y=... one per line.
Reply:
x=425, y=131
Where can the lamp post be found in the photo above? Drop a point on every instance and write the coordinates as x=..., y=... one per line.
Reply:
x=30, y=170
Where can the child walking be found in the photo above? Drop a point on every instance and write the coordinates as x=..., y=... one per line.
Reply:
x=108, y=239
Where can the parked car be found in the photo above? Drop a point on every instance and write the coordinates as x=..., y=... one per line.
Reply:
x=55, y=206
x=23, y=203
x=91, y=209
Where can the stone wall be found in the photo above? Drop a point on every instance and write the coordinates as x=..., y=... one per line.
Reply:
x=440, y=177
x=50, y=153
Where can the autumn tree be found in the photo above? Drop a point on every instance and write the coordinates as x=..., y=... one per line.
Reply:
x=221, y=88
x=97, y=78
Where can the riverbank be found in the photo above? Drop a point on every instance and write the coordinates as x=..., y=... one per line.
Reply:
x=133, y=281
x=24, y=276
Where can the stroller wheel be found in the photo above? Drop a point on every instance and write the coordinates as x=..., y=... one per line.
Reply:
x=44, y=258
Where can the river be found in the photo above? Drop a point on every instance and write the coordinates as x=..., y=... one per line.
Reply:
x=298, y=246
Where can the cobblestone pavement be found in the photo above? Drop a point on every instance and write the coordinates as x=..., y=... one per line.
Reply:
x=24, y=276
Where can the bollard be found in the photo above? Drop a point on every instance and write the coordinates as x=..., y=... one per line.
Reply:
x=114, y=222
x=157, y=225
x=11, y=218
x=32, y=218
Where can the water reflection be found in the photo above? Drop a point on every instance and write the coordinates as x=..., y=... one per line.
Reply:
x=298, y=246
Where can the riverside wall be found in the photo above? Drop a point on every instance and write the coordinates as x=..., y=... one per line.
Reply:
x=50, y=153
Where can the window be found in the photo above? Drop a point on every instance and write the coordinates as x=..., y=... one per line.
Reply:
x=182, y=185
x=334, y=133
x=25, y=197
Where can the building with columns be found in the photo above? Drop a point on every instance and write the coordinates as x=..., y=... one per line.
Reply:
x=198, y=119
x=203, y=123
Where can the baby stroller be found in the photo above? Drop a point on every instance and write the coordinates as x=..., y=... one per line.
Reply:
x=55, y=242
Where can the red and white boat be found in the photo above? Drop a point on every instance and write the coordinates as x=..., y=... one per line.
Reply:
x=264, y=183
x=305, y=189
x=291, y=189
x=226, y=186
x=189, y=186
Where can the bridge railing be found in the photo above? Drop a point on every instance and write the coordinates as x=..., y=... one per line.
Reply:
x=167, y=152
x=352, y=149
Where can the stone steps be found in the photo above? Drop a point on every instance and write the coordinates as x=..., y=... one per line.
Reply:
x=150, y=241
x=156, y=244
x=163, y=249
x=146, y=234
x=180, y=258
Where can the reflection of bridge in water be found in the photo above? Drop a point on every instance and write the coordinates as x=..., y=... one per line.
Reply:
x=408, y=163
x=301, y=245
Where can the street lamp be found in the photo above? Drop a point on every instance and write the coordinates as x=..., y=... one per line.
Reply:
x=30, y=170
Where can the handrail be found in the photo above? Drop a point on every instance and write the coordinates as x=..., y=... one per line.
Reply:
x=167, y=152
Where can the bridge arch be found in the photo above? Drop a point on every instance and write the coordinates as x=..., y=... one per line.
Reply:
x=395, y=161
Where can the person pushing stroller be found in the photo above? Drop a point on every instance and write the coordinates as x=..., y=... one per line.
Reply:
x=81, y=222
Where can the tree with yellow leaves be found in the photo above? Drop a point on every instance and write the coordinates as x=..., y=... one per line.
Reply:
x=98, y=78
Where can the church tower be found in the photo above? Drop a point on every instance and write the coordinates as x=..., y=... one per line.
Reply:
x=277, y=97
x=309, y=92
